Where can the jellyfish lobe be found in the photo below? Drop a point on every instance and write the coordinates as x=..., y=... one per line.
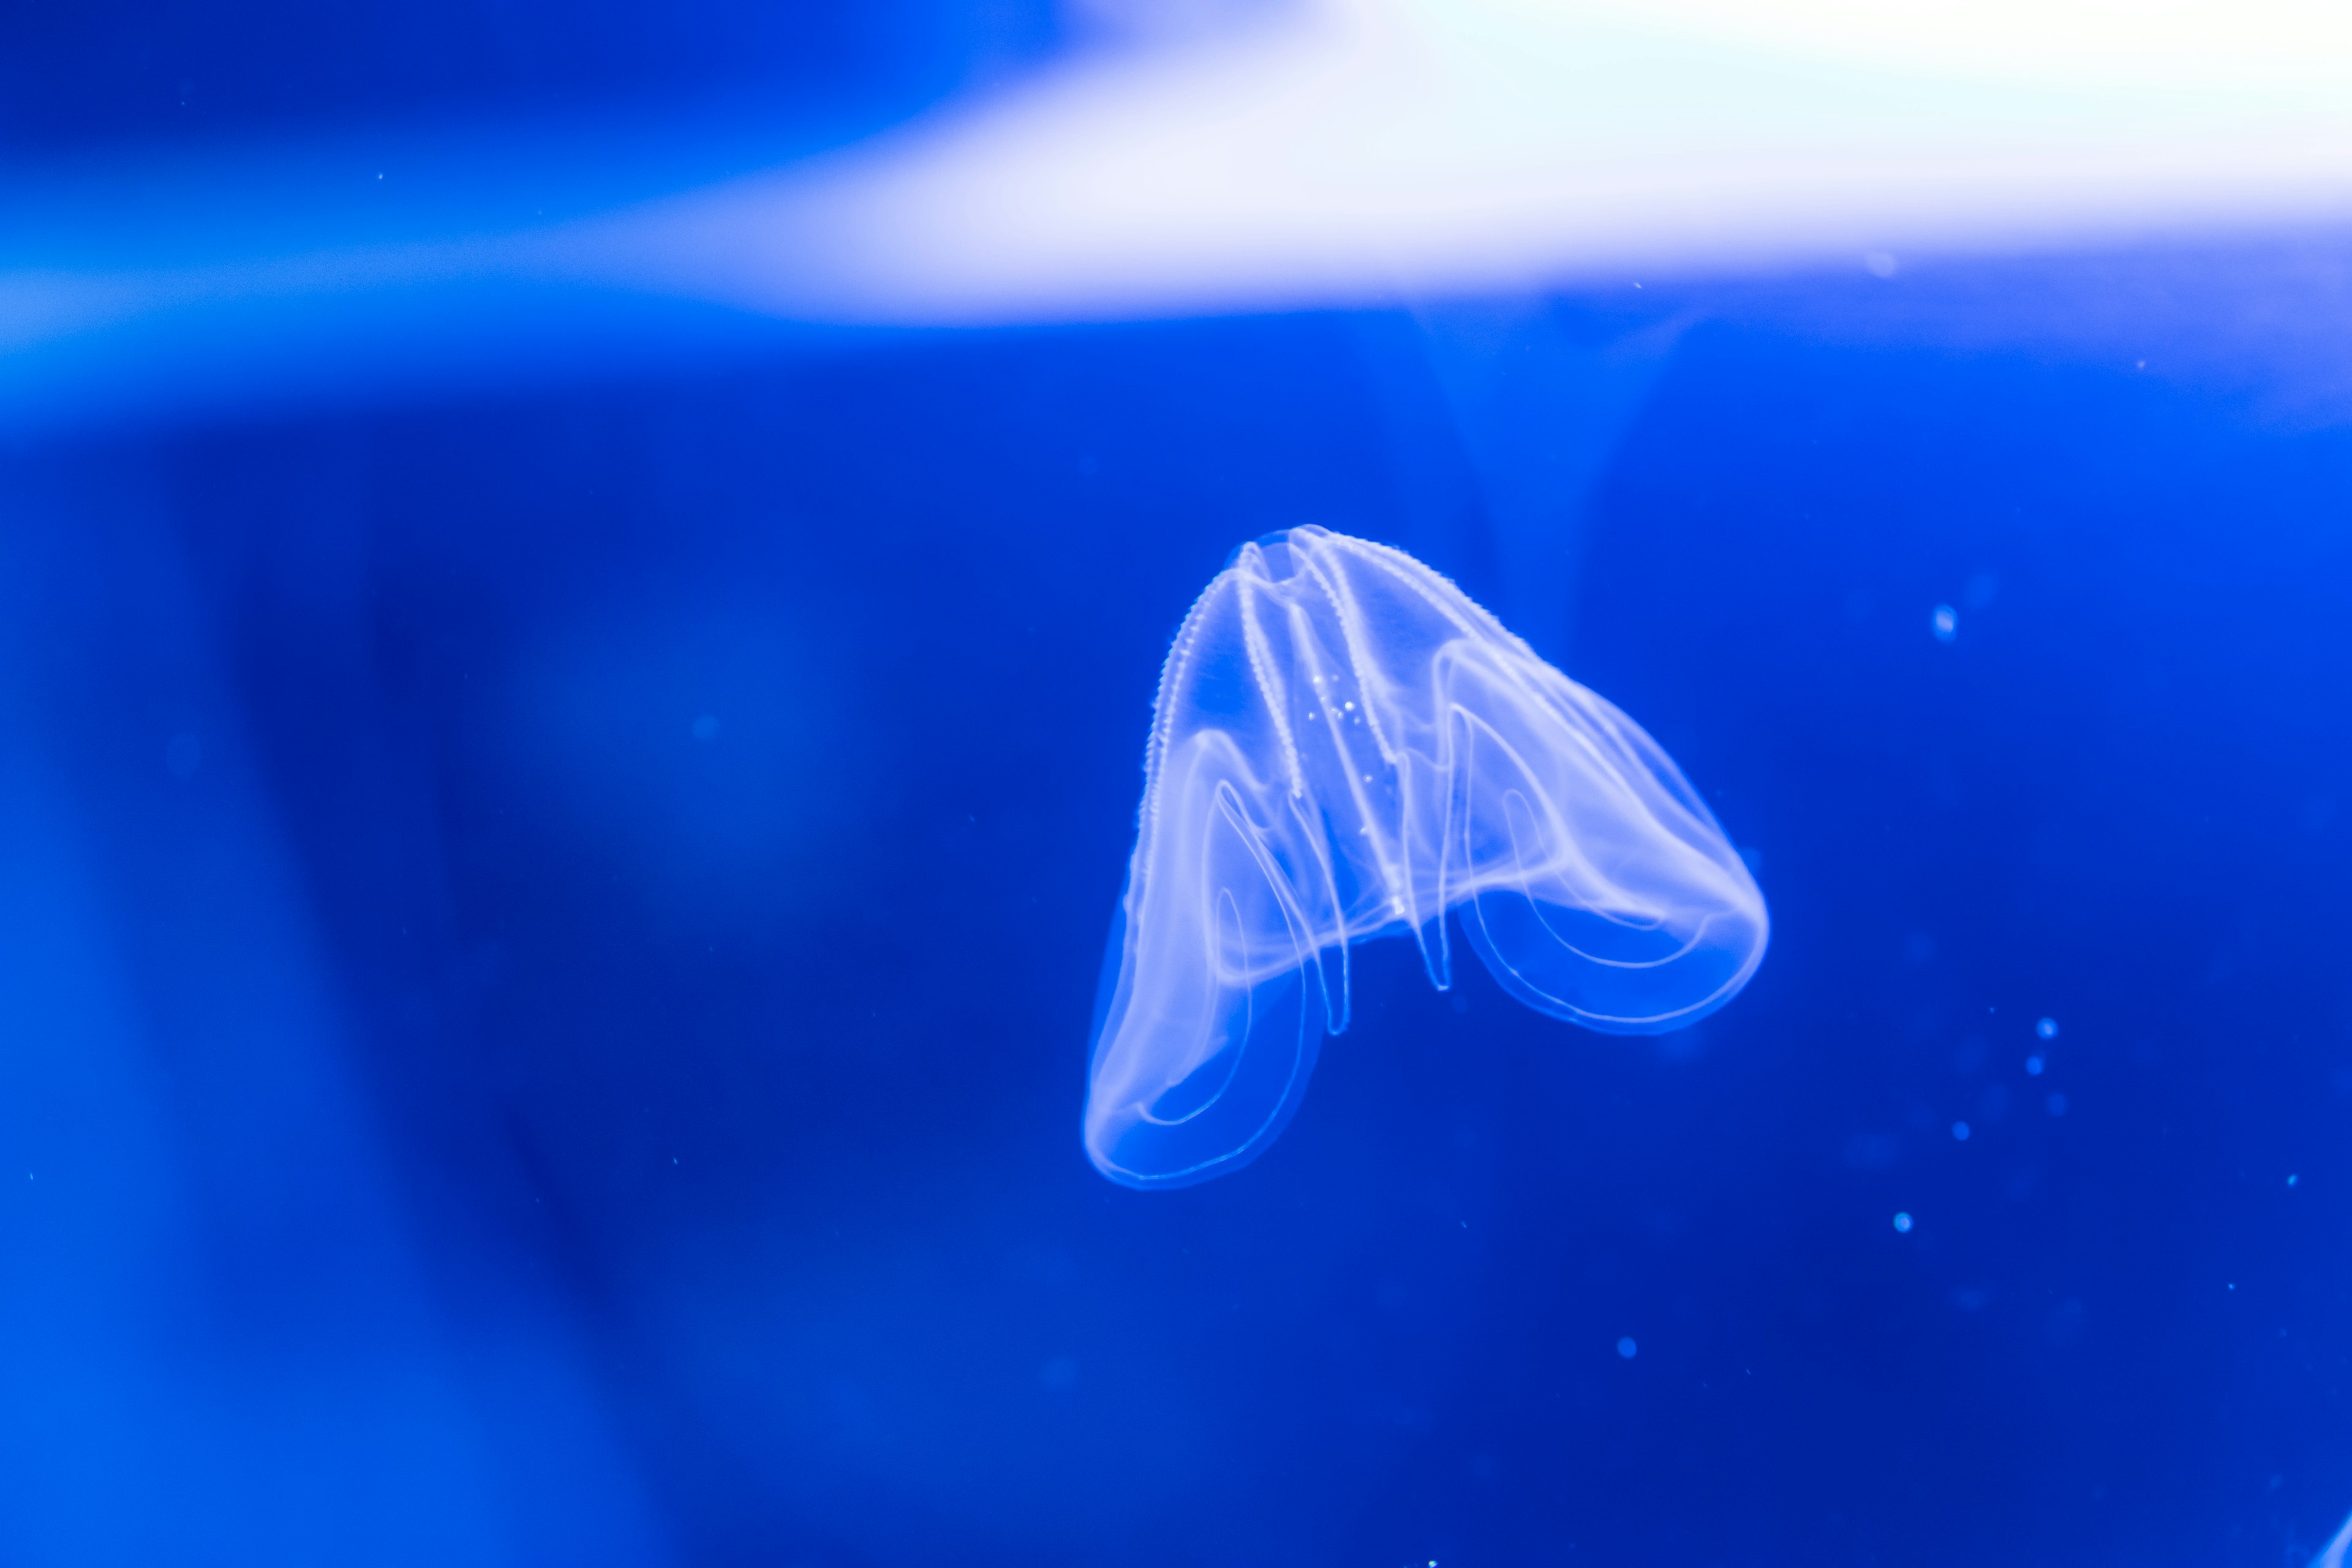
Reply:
x=1344, y=746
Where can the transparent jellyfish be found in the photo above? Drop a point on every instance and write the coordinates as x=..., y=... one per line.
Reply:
x=1345, y=746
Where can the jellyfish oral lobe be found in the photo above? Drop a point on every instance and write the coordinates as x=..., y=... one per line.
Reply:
x=1344, y=746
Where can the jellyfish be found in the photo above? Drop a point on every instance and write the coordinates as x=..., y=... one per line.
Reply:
x=1345, y=747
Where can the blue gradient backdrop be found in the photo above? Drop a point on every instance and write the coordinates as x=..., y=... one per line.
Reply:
x=547, y=934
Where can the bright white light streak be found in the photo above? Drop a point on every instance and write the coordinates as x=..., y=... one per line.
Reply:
x=2334, y=1556
x=1368, y=151
x=1363, y=150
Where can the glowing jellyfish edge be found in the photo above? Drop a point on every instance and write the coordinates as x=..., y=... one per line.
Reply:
x=1345, y=746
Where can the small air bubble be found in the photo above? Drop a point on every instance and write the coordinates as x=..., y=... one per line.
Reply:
x=2047, y=1029
x=1945, y=623
x=1903, y=1222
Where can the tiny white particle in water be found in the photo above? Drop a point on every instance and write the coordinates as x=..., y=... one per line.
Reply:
x=2292, y=1180
x=1945, y=623
x=2047, y=1029
x=1626, y=1347
x=2033, y=1067
x=1903, y=1223
x=1960, y=1131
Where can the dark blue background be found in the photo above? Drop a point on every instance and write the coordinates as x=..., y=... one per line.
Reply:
x=83, y=76
x=451, y=1112
x=467, y=1113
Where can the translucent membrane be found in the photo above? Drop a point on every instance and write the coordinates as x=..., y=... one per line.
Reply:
x=1345, y=746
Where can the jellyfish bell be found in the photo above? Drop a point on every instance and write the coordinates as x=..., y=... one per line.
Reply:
x=1344, y=747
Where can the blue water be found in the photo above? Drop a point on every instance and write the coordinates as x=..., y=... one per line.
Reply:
x=550, y=924
x=550, y=946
